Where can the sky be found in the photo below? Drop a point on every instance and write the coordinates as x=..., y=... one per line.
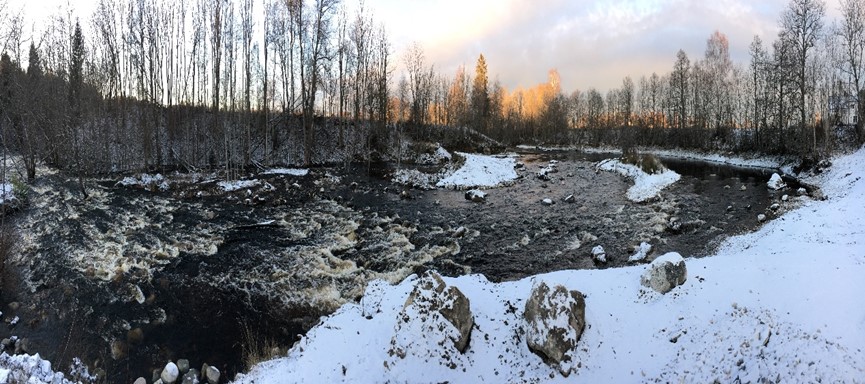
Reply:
x=592, y=43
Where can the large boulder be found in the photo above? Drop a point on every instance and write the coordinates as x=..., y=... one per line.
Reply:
x=556, y=319
x=434, y=316
x=665, y=273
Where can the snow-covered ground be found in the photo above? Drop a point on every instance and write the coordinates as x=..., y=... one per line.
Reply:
x=287, y=171
x=481, y=171
x=645, y=186
x=782, y=304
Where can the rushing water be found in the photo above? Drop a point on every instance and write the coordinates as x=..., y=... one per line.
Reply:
x=130, y=278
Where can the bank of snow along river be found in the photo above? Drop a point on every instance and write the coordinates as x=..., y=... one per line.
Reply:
x=187, y=267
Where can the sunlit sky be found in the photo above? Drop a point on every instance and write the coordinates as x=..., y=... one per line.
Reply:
x=592, y=43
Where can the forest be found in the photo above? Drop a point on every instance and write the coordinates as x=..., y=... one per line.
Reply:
x=232, y=84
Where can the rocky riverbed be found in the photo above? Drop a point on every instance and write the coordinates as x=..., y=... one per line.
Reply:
x=141, y=273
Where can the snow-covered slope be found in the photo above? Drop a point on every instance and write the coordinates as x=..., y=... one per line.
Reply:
x=786, y=302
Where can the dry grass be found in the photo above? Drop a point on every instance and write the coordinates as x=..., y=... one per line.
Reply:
x=647, y=162
x=258, y=348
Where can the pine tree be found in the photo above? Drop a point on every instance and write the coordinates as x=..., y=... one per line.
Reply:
x=76, y=83
x=480, y=96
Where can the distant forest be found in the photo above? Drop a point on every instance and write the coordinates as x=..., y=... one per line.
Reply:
x=232, y=84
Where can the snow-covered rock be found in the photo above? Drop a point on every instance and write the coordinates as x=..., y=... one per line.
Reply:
x=599, y=254
x=481, y=171
x=169, y=373
x=640, y=252
x=776, y=182
x=476, y=196
x=555, y=321
x=645, y=186
x=801, y=191
x=28, y=369
x=665, y=273
x=433, y=313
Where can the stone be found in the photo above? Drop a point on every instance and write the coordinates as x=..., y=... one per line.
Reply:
x=183, y=365
x=443, y=313
x=170, y=373
x=555, y=321
x=140, y=380
x=212, y=375
x=119, y=349
x=761, y=218
x=432, y=292
x=547, y=202
x=641, y=251
x=190, y=378
x=743, y=188
x=570, y=199
x=785, y=198
x=775, y=207
x=665, y=273
x=405, y=195
x=476, y=196
x=776, y=182
x=801, y=191
x=155, y=376
x=22, y=346
x=599, y=254
x=6, y=343
x=459, y=232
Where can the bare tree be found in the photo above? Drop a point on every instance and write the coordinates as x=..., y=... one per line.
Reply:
x=803, y=24
x=852, y=33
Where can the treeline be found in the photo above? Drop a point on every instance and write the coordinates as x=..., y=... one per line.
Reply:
x=236, y=83
x=197, y=83
x=787, y=99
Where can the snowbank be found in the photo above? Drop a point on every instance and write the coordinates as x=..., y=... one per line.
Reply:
x=481, y=171
x=646, y=186
x=287, y=171
x=784, y=303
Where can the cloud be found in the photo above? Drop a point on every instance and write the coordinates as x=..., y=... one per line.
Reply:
x=593, y=43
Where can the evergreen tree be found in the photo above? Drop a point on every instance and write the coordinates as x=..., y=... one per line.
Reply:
x=480, y=96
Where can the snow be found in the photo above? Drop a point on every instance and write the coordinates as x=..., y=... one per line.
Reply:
x=28, y=369
x=481, y=171
x=781, y=304
x=145, y=180
x=287, y=171
x=776, y=183
x=645, y=186
x=231, y=186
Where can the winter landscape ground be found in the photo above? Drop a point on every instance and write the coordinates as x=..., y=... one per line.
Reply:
x=782, y=304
